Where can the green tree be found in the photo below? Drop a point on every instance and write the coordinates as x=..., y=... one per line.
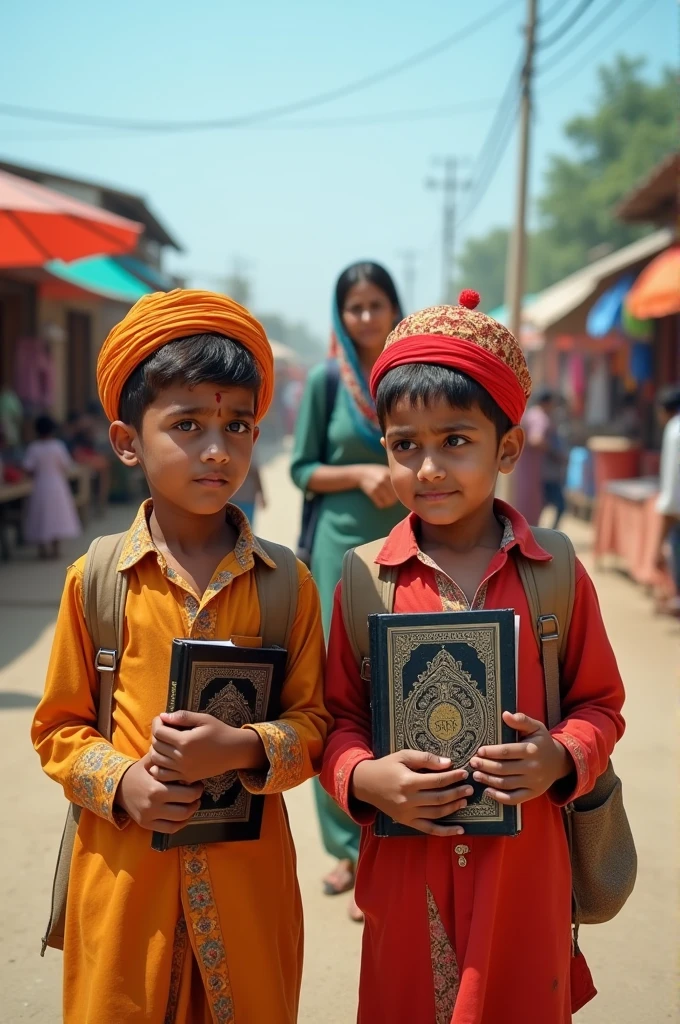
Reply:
x=633, y=125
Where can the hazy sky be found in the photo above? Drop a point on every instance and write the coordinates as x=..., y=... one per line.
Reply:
x=297, y=204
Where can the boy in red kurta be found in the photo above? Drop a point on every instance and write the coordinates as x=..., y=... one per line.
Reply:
x=468, y=929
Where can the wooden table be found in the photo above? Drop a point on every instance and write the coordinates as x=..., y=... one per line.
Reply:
x=13, y=497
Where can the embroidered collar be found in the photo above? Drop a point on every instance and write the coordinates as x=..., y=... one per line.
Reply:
x=139, y=543
x=402, y=543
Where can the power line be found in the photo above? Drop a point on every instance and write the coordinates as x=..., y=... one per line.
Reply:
x=551, y=12
x=496, y=142
x=502, y=127
x=596, y=50
x=362, y=120
x=575, y=41
x=573, y=18
x=268, y=113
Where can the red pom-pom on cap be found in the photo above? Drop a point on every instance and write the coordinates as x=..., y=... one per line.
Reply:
x=469, y=298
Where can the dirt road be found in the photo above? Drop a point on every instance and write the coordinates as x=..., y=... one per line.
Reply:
x=633, y=958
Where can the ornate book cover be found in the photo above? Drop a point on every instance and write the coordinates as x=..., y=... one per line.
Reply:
x=238, y=685
x=440, y=682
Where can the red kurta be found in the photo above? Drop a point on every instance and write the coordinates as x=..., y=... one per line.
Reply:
x=476, y=929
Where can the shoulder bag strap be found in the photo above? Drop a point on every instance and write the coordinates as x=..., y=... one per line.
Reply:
x=332, y=382
x=104, y=594
x=277, y=592
x=550, y=588
x=367, y=589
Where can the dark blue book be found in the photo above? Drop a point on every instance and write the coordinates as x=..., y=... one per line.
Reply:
x=238, y=685
x=440, y=682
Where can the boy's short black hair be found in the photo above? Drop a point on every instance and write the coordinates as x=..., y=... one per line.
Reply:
x=197, y=359
x=669, y=398
x=45, y=427
x=426, y=382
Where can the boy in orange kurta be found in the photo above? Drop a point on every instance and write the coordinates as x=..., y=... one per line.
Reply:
x=205, y=933
x=467, y=929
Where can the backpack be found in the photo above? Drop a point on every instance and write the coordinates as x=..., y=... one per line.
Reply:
x=104, y=594
x=311, y=505
x=601, y=847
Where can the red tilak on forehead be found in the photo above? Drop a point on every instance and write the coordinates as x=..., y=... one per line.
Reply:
x=218, y=397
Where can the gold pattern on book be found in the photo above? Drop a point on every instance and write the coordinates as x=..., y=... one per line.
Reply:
x=229, y=705
x=446, y=713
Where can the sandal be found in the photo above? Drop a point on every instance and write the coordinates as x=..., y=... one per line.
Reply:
x=340, y=880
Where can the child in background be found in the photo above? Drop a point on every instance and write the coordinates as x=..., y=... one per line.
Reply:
x=467, y=929
x=250, y=495
x=52, y=515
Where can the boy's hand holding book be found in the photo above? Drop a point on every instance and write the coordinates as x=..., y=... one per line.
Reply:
x=414, y=788
x=187, y=746
x=154, y=805
x=517, y=772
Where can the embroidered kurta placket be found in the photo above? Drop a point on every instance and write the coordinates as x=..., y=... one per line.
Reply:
x=445, y=970
x=198, y=899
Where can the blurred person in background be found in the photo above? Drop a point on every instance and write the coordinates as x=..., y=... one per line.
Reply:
x=669, y=496
x=530, y=473
x=51, y=515
x=555, y=461
x=337, y=454
x=88, y=441
x=11, y=421
x=250, y=495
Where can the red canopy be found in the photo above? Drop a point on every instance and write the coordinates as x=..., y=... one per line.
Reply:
x=656, y=292
x=38, y=224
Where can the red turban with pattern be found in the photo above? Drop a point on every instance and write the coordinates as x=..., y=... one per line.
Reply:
x=464, y=339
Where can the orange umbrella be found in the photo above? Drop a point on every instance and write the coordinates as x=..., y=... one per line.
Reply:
x=38, y=224
x=656, y=292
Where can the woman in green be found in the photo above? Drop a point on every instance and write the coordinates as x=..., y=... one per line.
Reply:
x=338, y=455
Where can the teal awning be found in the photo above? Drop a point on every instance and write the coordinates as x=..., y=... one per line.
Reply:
x=102, y=276
x=501, y=313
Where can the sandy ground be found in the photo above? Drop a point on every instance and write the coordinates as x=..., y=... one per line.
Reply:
x=633, y=958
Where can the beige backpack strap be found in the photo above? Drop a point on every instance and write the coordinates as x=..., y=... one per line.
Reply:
x=104, y=594
x=550, y=588
x=277, y=591
x=367, y=589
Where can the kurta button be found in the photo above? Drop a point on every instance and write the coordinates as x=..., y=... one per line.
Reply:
x=461, y=850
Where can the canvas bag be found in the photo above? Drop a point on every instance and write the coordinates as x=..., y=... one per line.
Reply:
x=601, y=847
x=104, y=595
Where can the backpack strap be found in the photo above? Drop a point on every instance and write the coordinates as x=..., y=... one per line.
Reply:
x=277, y=592
x=550, y=588
x=367, y=589
x=104, y=594
x=332, y=384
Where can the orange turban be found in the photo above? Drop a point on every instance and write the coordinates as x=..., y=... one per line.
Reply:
x=165, y=316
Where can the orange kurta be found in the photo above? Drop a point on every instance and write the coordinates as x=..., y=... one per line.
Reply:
x=134, y=916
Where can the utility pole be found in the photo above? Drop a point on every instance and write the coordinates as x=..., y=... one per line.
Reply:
x=410, y=260
x=238, y=282
x=450, y=184
x=515, y=268
x=516, y=264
